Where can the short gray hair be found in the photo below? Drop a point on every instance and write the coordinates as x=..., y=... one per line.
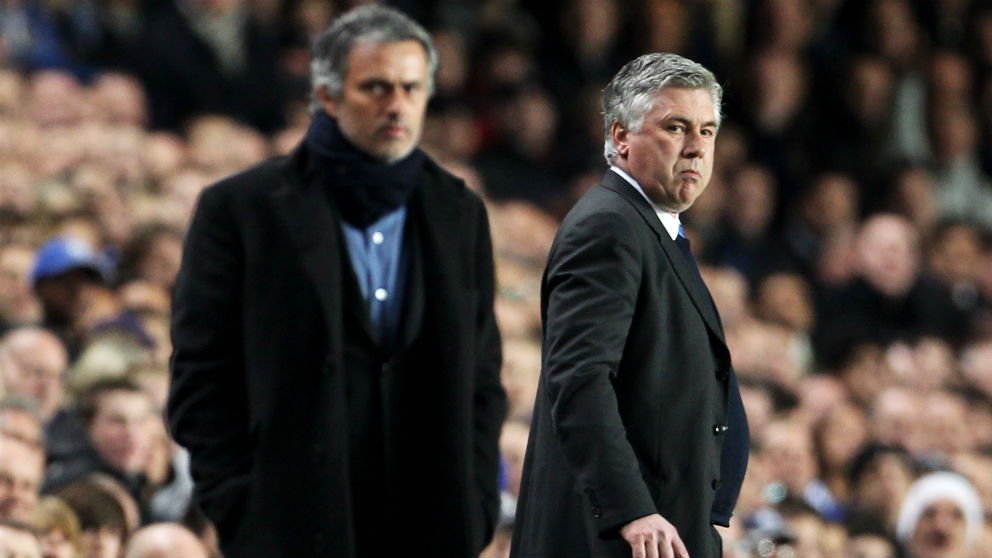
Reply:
x=630, y=94
x=370, y=23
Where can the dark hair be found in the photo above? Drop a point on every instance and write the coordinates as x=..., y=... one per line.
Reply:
x=94, y=506
x=136, y=249
x=792, y=507
x=864, y=459
x=90, y=401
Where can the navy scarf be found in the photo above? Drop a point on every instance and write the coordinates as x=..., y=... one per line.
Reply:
x=364, y=189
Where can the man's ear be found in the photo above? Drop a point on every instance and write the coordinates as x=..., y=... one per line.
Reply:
x=327, y=101
x=621, y=138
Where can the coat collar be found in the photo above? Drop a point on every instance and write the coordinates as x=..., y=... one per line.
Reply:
x=307, y=212
x=697, y=290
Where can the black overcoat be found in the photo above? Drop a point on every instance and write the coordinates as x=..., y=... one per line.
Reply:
x=258, y=391
x=634, y=388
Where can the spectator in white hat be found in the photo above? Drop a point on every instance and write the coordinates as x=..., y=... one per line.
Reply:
x=941, y=517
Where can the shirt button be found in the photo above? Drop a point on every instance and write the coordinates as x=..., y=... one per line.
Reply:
x=377, y=237
x=381, y=294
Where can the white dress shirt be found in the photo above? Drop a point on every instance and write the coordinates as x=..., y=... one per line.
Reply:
x=668, y=220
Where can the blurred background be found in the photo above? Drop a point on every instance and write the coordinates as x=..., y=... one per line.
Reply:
x=846, y=237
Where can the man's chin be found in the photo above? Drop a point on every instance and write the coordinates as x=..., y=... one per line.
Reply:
x=393, y=154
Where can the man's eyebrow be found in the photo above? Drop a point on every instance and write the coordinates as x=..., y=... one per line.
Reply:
x=688, y=122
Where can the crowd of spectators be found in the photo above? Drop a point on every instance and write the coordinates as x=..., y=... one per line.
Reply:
x=846, y=238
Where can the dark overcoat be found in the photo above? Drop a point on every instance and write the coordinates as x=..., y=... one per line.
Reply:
x=259, y=394
x=634, y=388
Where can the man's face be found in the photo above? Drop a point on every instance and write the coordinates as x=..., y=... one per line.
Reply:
x=888, y=255
x=384, y=98
x=121, y=430
x=102, y=541
x=672, y=156
x=66, y=296
x=34, y=371
x=21, y=470
x=940, y=531
x=790, y=449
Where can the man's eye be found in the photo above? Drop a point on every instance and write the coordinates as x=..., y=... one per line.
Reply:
x=376, y=88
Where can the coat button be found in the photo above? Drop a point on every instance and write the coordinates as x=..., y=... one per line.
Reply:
x=716, y=484
x=719, y=429
x=388, y=366
x=597, y=512
x=722, y=374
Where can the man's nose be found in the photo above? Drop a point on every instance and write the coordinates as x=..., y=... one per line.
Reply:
x=397, y=101
x=694, y=145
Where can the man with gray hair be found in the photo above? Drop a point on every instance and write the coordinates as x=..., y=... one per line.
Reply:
x=638, y=444
x=336, y=358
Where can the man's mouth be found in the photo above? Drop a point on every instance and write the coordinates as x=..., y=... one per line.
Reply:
x=937, y=539
x=395, y=130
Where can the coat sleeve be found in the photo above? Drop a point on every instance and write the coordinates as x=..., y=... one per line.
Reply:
x=592, y=281
x=489, y=397
x=207, y=406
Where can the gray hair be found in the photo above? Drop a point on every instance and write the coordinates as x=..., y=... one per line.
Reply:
x=370, y=23
x=630, y=94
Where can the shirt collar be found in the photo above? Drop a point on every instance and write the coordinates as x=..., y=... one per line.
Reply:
x=668, y=220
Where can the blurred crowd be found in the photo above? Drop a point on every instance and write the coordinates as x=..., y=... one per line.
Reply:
x=846, y=238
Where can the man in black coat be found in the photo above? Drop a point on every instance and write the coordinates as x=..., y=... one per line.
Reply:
x=638, y=444
x=336, y=364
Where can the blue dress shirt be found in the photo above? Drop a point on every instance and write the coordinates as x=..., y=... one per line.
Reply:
x=377, y=258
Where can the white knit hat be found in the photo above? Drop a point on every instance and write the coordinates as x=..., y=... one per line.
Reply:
x=941, y=485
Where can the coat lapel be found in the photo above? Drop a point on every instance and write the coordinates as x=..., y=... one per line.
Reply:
x=697, y=290
x=307, y=213
x=438, y=230
x=414, y=295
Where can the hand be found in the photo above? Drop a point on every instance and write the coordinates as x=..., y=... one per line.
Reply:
x=652, y=536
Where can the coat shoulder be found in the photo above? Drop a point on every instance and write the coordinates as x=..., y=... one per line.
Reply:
x=259, y=179
x=601, y=210
x=448, y=184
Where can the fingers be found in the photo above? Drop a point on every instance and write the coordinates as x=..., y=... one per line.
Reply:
x=638, y=547
x=680, y=550
x=655, y=549
x=646, y=546
x=654, y=537
x=664, y=548
x=655, y=545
